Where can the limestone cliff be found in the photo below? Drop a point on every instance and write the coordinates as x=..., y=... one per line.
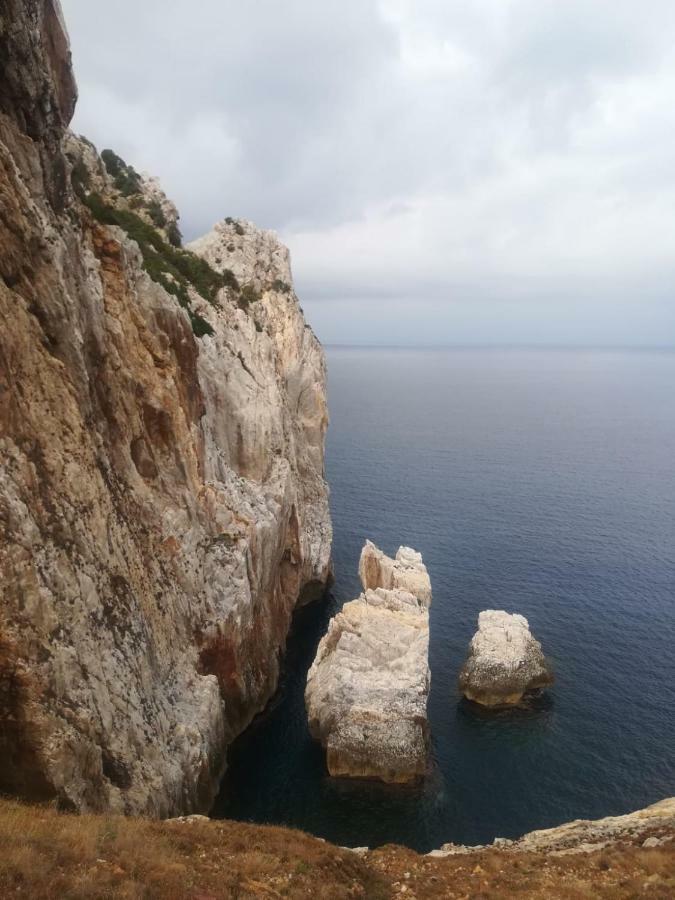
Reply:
x=162, y=500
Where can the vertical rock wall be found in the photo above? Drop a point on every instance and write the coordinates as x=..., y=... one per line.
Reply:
x=162, y=500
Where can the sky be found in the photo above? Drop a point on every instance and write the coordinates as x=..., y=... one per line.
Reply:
x=443, y=171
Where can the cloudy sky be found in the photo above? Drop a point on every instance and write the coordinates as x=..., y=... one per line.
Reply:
x=444, y=171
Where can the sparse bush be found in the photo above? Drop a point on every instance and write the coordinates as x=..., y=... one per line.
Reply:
x=281, y=286
x=128, y=182
x=174, y=235
x=230, y=279
x=113, y=163
x=200, y=326
x=239, y=228
x=169, y=266
x=125, y=178
x=247, y=296
x=156, y=213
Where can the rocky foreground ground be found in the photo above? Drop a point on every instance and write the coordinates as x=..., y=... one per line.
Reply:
x=46, y=854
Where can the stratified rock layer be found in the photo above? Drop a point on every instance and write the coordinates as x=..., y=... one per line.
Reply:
x=505, y=662
x=367, y=689
x=162, y=500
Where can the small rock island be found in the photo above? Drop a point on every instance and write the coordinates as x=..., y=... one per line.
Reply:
x=367, y=689
x=505, y=662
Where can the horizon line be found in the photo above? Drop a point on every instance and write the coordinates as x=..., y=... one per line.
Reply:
x=497, y=346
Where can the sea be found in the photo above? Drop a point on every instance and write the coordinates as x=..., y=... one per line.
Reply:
x=538, y=481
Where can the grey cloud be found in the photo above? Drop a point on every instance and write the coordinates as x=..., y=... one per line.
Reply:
x=497, y=152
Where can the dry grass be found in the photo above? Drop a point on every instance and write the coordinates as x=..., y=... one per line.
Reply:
x=45, y=854
x=624, y=870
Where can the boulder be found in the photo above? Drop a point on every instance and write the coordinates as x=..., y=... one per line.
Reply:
x=367, y=689
x=505, y=662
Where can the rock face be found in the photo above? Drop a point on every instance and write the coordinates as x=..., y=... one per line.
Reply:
x=367, y=689
x=505, y=662
x=162, y=500
x=585, y=835
x=406, y=572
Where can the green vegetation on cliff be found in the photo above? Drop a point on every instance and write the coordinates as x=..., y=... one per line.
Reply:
x=166, y=261
x=175, y=268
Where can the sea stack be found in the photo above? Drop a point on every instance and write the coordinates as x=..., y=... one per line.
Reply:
x=367, y=689
x=505, y=662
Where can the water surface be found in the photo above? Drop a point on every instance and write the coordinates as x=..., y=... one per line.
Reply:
x=540, y=482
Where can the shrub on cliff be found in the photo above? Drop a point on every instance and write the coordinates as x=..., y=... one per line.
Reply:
x=247, y=296
x=125, y=178
x=156, y=213
x=128, y=182
x=174, y=235
x=175, y=269
x=113, y=163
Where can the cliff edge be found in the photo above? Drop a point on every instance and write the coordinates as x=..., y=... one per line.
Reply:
x=162, y=500
x=46, y=855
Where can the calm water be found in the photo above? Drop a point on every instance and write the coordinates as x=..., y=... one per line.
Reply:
x=536, y=482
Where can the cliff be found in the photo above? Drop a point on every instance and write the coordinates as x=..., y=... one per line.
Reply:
x=162, y=500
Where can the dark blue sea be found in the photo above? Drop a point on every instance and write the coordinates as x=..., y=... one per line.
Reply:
x=539, y=482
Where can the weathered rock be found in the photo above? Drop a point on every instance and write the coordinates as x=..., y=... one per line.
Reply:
x=255, y=257
x=586, y=835
x=162, y=500
x=505, y=662
x=406, y=572
x=367, y=689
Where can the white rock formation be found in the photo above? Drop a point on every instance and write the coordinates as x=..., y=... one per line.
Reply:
x=162, y=500
x=505, y=662
x=406, y=572
x=367, y=689
x=255, y=257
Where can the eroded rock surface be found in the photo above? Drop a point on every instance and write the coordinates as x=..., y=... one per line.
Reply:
x=505, y=662
x=405, y=572
x=585, y=835
x=162, y=500
x=367, y=689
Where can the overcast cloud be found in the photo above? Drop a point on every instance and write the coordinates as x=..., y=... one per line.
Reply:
x=444, y=172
